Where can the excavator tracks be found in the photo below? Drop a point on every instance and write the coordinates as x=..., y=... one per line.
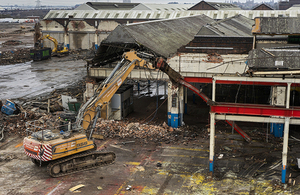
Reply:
x=80, y=162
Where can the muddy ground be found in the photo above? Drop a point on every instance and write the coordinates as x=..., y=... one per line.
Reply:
x=152, y=158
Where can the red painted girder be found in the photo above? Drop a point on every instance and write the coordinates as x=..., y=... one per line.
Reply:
x=254, y=109
x=239, y=130
x=209, y=80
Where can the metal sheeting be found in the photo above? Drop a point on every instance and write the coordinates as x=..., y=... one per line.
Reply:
x=276, y=26
x=274, y=58
x=236, y=26
x=144, y=14
x=163, y=37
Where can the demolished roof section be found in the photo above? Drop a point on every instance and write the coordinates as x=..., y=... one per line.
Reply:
x=162, y=37
x=236, y=26
x=276, y=26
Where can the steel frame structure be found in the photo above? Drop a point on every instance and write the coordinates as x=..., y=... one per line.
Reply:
x=252, y=112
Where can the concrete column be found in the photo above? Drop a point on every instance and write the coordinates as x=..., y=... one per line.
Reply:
x=96, y=41
x=288, y=94
x=212, y=142
x=175, y=105
x=285, y=148
x=185, y=100
x=66, y=40
x=165, y=88
x=213, y=98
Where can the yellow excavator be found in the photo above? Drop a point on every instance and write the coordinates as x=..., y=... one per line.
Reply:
x=59, y=48
x=74, y=151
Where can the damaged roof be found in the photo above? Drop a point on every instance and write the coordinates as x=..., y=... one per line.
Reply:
x=216, y=5
x=236, y=26
x=276, y=26
x=163, y=37
x=108, y=6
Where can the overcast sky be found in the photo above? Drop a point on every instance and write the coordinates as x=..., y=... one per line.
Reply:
x=73, y=2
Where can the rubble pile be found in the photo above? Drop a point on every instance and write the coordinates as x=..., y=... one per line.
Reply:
x=123, y=129
x=12, y=42
x=17, y=124
x=15, y=56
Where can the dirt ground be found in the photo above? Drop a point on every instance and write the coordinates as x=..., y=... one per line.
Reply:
x=173, y=162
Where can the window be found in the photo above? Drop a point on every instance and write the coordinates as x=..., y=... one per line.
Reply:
x=166, y=9
x=74, y=15
x=178, y=15
x=126, y=15
x=117, y=15
x=191, y=14
x=215, y=16
x=106, y=16
x=158, y=15
x=138, y=16
x=85, y=15
x=148, y=16
x=250, y=16
x=65, y=15
x=261, y=15
x=50, y=15
x=272, y=15
x=168, y=16
x=94, y=16
x=225, y=15
x=55, y=16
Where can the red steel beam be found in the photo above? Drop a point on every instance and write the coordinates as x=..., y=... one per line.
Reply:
x=239, y=130
x=257, y=110
x=209, y=80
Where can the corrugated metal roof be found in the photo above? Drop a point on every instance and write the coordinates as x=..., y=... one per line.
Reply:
x=142, y=14
x=236, y=26
x=276, y=26
x=223, y=6
x=111, y=6
x=163, y=37
x=163, y=7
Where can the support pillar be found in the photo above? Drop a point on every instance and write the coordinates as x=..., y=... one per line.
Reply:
x=212, y=142
x=138, y=88
x=286, y=135
x=175, y=105
x=285, y=148
x=185, y=100
x=213, y=98
x=66, y=40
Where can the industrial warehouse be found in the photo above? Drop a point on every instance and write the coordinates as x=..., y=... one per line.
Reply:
x=137, y=98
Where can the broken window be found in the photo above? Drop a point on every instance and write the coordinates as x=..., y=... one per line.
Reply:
x=117, y=15
x=65, y=15
x=106, y=16
x=94, y=16
x=225, y=16
x=139, y=15
x=50, y=15
x=85, y=15
x=74, y=15
x=55, y=16
x=148, y=16
x=168, y=16
x=126, y=15
x=158, y=15
x=178, y=15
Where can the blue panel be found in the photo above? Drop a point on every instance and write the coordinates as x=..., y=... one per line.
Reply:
x=175, y=120
x=169, y=118
x=283, y=173
x=277, y=129
x=96, y=46
x=8, y=108
x=68, y=46
x=211, y=166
